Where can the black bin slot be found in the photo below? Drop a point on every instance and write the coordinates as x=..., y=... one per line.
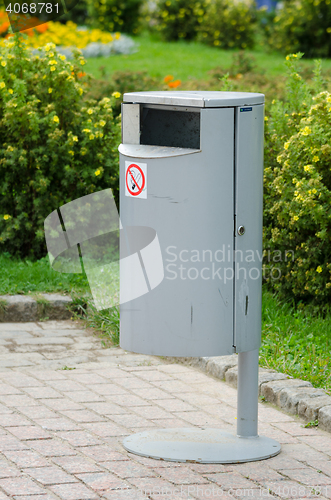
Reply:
x=178, y=129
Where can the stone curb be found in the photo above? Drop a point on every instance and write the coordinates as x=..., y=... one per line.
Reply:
x=23, y=308
x=294, y=396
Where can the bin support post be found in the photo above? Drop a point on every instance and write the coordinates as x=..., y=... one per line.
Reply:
x=247, y=395
x=214, y=445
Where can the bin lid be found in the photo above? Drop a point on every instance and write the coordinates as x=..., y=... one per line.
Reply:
x=199, y=99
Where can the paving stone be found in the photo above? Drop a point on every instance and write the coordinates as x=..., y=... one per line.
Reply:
x=271, y=390
x=26, y=432
x=46, y=496
x=174, y=405
x=324, y=418
x=180, y=475
x=20, y=486
x=43, y=392
x=289, y=489
x=308, y=476
x=18, y=400
x=125, y=469
x=73, y=492
x=52, y=448
x=61, y=404
x=230, y=480
x=108, y=389
x=152, y=412
x=109, y=408
x=150, y=485
x=17, y=380
x=308, y=408
x=84, y=396
x=46, y=375
x=77, y=464
x=26, y=458
x=123, y=495
x=100, y=481
x=4, y=409
x=289, y=397
x=8, y=442
x=7, y=470
x=79, y=438
x=20, y=306
x=57, y=424
x=66, y=385
x=44, y=341
x=217, y=366
x=13, y=420
x=6, y=389
x=83, y=416
x=130, y=421
x=102, y=454
x=50, y=475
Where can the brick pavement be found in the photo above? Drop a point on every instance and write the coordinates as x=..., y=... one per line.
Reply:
x=66, y=403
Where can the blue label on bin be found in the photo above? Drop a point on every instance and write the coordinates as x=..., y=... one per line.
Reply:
x=245, y=109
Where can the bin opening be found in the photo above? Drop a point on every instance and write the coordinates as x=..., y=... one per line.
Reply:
x=177, y=129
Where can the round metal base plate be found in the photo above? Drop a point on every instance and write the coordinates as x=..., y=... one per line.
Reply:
x=200, y=445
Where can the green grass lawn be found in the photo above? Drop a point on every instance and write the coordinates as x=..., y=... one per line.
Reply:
x=24, y=276
x=292, y=342
x=183, y=60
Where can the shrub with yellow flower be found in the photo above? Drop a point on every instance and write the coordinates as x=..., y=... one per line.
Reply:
x=47, y=157
x=298, y=193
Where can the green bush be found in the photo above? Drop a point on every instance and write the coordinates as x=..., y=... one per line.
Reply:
x=228, y=25
x=297, y=204
x=78, y=14
x=55, y=147
x=303, y=25
x=178, y=19
x=115, y=15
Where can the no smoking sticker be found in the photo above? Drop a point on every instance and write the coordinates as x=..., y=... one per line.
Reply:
x=136, y=179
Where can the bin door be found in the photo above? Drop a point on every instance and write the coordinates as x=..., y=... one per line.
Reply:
x=248, y=211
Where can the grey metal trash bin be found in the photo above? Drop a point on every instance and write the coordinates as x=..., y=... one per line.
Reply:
x=191, y=168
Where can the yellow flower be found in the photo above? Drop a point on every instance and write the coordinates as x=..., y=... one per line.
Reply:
x=287, y=144
x=266, y=118
x=82, y=62
x=328, y=99
x=53, y=68
x=117, y=95
x=319, y=269
x=6, y=217
x=316, y=158
x=91, y=137
x=97, y=172
x=295, y=217
x=2, y=85
x=306, y=131
x=87, y=130
x=10, y=91
x=80, y=91
x=75, y=138
x=52, y=62
x=3, y=63
x=279, y=159
x=50, y=90
x=71, y=153
x=102, y=123
x=90, y=111
x=56, y=119
x=62, y=57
